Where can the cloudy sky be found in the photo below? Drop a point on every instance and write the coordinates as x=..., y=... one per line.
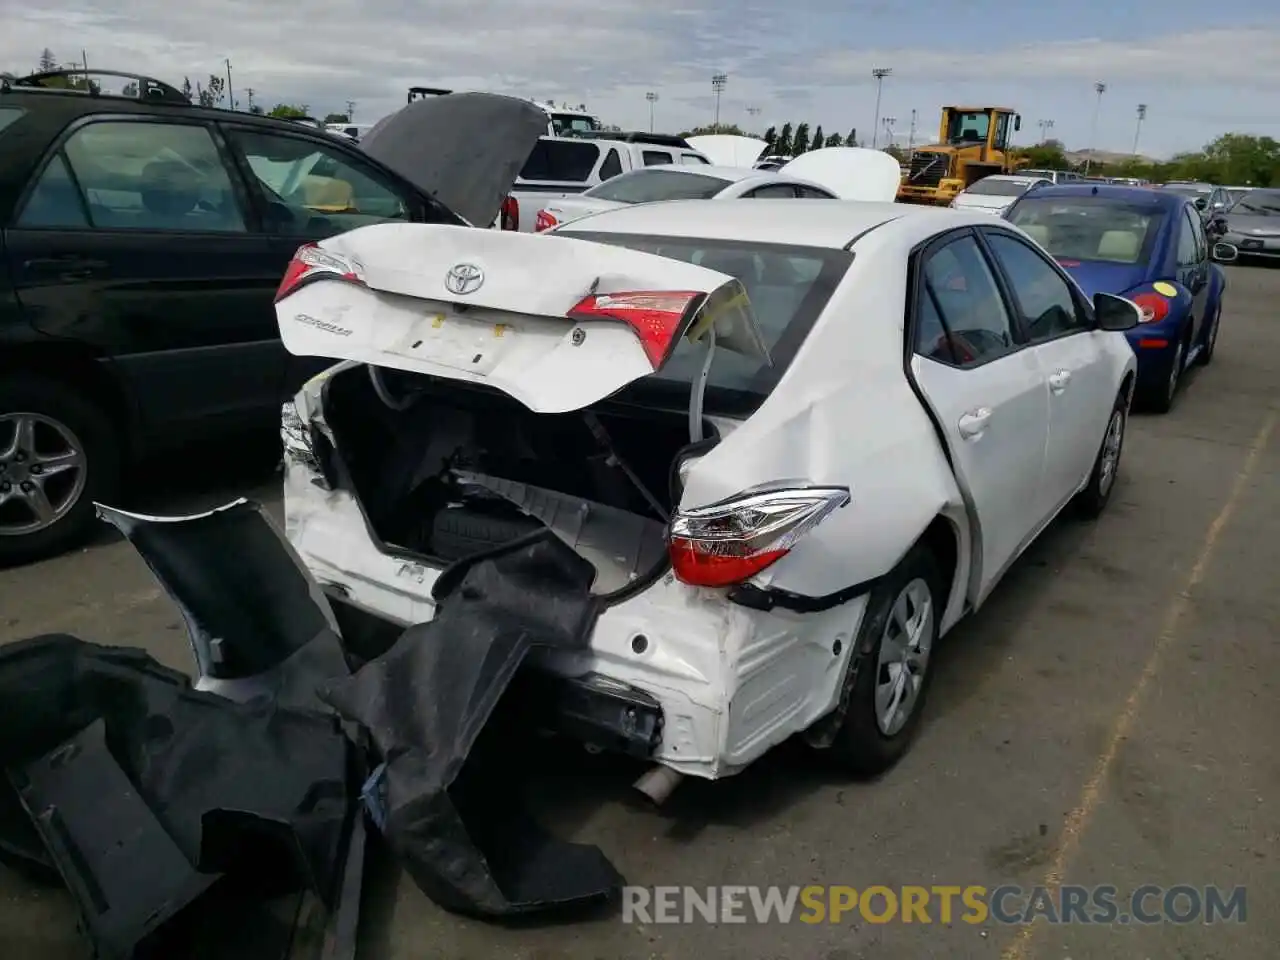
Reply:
x=1202, y=69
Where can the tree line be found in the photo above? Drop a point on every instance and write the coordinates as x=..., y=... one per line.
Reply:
x=1233, y=159
x=788, y=140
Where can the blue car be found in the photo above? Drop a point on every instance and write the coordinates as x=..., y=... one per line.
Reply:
x=1150, y=247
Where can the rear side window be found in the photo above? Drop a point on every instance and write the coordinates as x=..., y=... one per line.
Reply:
x=564, y=160
x=789, y=288
x=648, y=186
x=8, y=115
x=693, y=159
x=656, y=158
x=612, y=165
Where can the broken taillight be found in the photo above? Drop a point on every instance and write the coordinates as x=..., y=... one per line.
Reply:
x=657, y=317
x=731, y=541
x=509, y=217
x=544, y=221
x=312, y=262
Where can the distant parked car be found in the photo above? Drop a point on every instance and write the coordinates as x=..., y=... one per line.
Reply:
x=996, y=193
x=1252, y=224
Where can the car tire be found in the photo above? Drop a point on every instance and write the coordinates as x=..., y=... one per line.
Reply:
x=1210, y=338
x=868, y=741
x=1093, y=499
x=64, y=416
x=1163, y=394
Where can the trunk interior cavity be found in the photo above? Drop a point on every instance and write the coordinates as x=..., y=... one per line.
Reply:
x=445, y=470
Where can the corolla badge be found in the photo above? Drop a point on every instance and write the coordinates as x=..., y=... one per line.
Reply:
x=464, y=278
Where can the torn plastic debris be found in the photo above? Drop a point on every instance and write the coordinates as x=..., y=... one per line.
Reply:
x=448, y=813
x=117, y=757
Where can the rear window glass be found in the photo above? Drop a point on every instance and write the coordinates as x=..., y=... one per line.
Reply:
x=561, y=160
x=789, y=287
x=647, y=186
x=990, y=187
x=1090, y=228
x=656, y=158
x=8, y=115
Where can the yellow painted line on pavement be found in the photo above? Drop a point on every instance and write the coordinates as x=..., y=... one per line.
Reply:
x=1079, y=818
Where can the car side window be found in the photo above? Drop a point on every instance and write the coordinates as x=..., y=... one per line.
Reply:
x=693, y=159
x=775, y=191
x=137, y=176
x=313, y=189
x=1201, y=241
x=960, y=287
x=813, y=193
x=1187, y=254
x=656, y=158
x=1043, y=298
x=55, y=202
x=612, y=165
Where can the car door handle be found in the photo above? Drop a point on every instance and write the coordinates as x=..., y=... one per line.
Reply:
x=973, y=424
x=66, y=268
x=1059, y=381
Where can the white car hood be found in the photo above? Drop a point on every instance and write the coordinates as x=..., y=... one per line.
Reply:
x=380, y=296
x=573, y=208
x=727, y=150
x=990, y=204
x=852, y=173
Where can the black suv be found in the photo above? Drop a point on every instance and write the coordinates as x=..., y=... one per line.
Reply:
x=143, y=241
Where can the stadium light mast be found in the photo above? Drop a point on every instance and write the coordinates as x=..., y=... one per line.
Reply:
x=718, y=83
x=1142, y=115
x=1101, y=88
x=879, y=73
x=652, y=98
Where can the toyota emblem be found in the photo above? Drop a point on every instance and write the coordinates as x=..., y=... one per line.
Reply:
x=464, y=278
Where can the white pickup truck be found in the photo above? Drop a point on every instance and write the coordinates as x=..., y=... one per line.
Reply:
x=566, y=166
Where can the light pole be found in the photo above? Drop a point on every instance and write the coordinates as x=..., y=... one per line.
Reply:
x=1142, y=115
x=1045, y=127
x=888, y=128
x=652, y=98
x=879, y=73
x=911, y=138
x=231, y=97
x=351, y=111
x=1093, y=139
x=718, y=82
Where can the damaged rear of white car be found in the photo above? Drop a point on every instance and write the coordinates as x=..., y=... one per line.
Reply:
x=712, y=407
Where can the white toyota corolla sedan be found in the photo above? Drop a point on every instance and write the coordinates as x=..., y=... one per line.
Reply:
x=796, y=441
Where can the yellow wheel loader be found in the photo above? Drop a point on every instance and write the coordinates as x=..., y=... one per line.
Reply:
x=973, y=142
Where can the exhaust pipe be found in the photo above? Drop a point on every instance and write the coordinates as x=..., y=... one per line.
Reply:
x=658, y=783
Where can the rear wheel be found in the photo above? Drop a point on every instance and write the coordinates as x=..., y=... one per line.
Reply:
x=58, y=454
x=1163, y=395
x=1211, y=338
x=891, y=670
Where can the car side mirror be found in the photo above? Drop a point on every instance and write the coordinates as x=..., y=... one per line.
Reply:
x=1017, y=122
x=1201, y=203
x=1115, y=313
x=1225, y=252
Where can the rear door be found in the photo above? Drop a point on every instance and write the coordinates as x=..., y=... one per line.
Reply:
x=1071, y=356
x=987, y=393
x=136, y=237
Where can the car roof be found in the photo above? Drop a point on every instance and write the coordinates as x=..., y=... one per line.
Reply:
x=807, y=223
x=1120, y=192
x=733, y=174
x=1014, y=178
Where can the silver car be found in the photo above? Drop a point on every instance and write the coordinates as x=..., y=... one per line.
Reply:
x=1252, y=224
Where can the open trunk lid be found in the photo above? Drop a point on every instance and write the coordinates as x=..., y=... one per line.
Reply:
x=464, y=149
x=852, y=173
x=555, y=322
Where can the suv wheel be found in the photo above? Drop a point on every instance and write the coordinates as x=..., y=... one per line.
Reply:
x=58, y=454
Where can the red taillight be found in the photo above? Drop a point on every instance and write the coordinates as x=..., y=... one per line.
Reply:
x=510, y=215
x=312, y=262
x=1153, y=306
x=544, y=221
x=733, y=540
x=657, y=317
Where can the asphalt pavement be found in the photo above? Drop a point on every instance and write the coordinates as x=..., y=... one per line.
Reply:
x=1109, y=718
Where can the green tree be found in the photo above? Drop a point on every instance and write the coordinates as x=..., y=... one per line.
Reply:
x=256, y=109
x=784, y=146
x=731, y=129
x=214, y=93
x=1044, y=156
x=835, y=140
x=770, y=137
x=47, y=61
x=287, y=110
x=852, y=139
x=336, y=118
x=818, y=141
x=187, y=91
x=800, y=142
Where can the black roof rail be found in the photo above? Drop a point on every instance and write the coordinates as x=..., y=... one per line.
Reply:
x=144, y=88
x=636, y=136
